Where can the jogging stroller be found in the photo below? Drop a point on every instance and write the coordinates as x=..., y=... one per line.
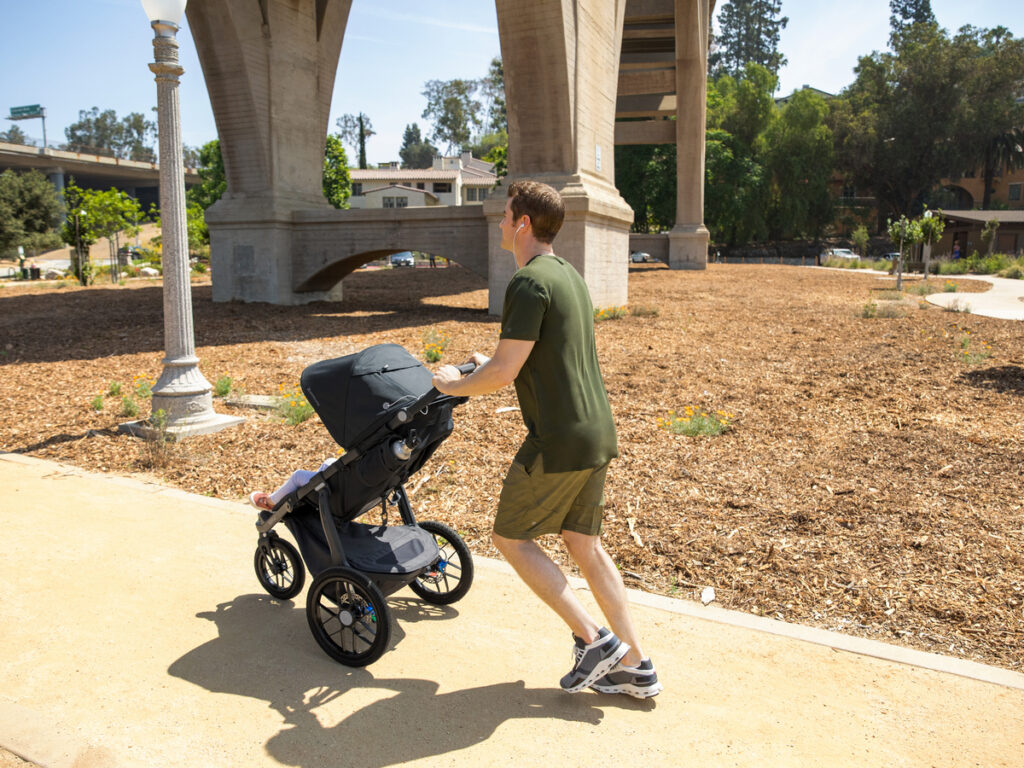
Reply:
x=380, y=406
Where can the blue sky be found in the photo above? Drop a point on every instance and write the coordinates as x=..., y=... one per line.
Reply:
x=69, y=56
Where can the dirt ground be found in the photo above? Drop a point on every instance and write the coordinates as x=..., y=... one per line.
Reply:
x=870, y=481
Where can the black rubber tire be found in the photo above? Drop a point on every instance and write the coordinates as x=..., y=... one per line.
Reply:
x=279, y=568
x=453, y=570
x=348, y=616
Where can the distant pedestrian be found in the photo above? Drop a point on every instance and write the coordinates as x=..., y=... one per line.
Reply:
x=433, y=262
x=956, y=251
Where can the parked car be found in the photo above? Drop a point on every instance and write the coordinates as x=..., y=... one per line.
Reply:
x=639, y=257
x=403, y=259
x=841, y=253
x=891, y=256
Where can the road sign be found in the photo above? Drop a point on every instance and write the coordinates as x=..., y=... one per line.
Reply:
x=24, y=113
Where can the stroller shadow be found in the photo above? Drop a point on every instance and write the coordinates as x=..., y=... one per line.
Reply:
x=246, y=660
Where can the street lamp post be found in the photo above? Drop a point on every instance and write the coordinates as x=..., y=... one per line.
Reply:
x=181, y=392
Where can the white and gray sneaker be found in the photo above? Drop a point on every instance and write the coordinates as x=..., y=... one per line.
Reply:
x=640, y=682
x=593, y=661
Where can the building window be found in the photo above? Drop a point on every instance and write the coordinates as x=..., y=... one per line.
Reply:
x=1015, y=192
x=420, y=185
x=442, y=187
x=401, y=202
x=471, y=195
x=357, y=189
x=849, y=192
x=389, y=202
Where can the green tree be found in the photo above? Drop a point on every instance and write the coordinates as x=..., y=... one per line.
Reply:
x=354, y=130
x=904, y=232
x=486, y=144
x=860, y=238
x=646, y=178
x=988, y=234
x=213, y=182
x=454, y=111
x=30, y=209
x=130, y=138
x=336, y=180
x=14, y=135
x=895, y=126
x=932, y=226
x=415, y=152
x=906, y=13
x=112, y=213
x=749, y=34
x=492, y=87
x=799, y=158
x=77, y=231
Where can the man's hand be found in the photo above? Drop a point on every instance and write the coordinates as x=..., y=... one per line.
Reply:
x=446, y=375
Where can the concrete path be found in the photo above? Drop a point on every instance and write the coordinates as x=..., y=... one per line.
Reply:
x=133, y=632
x=1005, y=300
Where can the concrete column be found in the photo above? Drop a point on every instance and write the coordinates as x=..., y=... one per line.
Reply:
x=561, y=62
x=689, y=238
x=269, y=68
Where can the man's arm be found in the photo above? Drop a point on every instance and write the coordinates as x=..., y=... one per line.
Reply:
x=497, y=372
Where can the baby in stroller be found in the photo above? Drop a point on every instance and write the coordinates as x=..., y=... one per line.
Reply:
x=298, y=478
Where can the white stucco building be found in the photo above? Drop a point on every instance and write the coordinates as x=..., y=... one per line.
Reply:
x=460, y=180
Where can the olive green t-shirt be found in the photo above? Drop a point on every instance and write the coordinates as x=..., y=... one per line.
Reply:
x=561, y=394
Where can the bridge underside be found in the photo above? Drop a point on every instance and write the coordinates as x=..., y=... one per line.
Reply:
x=270, y=68
x=328, y=245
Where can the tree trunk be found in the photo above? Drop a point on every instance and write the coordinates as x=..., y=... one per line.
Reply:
x=899, y=269
x=927, y=258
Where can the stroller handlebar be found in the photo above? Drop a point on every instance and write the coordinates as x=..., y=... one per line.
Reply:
x=426, y=399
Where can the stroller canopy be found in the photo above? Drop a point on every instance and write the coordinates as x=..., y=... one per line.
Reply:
x=353, y=393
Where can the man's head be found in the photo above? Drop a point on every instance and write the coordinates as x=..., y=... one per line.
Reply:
x=541, y=203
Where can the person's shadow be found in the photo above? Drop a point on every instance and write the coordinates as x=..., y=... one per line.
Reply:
x=264, y=651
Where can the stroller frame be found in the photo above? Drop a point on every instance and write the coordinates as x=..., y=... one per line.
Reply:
x=356, y=565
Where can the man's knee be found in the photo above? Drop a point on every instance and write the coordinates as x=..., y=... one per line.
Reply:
x=581, y=545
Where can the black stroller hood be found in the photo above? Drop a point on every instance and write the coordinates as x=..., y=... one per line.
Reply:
x=354, y=393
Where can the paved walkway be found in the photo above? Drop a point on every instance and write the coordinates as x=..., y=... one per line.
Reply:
x=1005, y=300
x=133, y=632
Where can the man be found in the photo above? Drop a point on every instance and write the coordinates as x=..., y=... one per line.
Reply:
x=556, y=483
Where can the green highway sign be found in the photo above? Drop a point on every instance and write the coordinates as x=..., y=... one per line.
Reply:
x=32, y=110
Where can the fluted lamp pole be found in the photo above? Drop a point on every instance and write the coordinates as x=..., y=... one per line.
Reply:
x=181, y=392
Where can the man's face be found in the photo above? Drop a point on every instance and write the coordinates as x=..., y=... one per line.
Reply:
x=507, y=227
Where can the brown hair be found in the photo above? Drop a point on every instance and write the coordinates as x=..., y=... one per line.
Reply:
x=542, y=204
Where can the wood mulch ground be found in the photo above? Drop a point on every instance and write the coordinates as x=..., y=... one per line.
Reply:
x=871, y=482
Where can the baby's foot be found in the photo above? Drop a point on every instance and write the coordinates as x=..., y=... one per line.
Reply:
x=261, y=500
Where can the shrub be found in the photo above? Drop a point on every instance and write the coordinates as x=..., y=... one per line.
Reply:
x=609, y=313
x=97, y=402
x=695, y=421
x=892, y=310
x=889, y=295
x=293, y=406
x=143, y=386
x=435, y=342
x=129, y=407
x=922, y=289
x=223, y=386
x=949, y=287
x=643, y=311
x=114, y=389
x=870, y=310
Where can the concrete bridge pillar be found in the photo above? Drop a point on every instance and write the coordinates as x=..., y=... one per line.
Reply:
x=269, y=67
x=689, y=238
x=561, y=63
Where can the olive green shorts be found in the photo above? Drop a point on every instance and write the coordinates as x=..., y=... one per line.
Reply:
x=533, y=503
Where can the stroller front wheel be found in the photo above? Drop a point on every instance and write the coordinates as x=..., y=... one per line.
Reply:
x=449, y=578
x=348, y=616
x=279, y=567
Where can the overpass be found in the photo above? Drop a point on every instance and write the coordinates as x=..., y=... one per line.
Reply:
x=571, y=69
x=139, y=179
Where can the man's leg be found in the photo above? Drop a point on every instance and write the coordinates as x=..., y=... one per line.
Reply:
x=609, y=591
x=546, y=579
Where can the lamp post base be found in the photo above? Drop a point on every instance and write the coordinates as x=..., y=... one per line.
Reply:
x=148, y=430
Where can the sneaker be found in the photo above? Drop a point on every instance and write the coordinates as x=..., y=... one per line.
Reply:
x=593, y=661
x=639, y=682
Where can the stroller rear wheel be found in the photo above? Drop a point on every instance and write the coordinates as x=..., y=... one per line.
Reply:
x=279, y=567
x=348, y=616
x=451, y=575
